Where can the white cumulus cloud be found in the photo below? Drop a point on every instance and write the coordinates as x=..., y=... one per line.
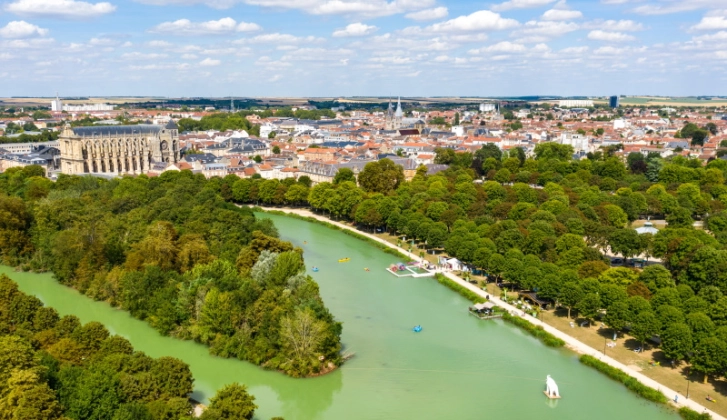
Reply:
x=539, y=31
x=561, y=14
x=716, y=19
x=278, y=38
x=428, y=14
x=520, y=4
x=502, y=47
x=355, y=29
x=719, y=36
x=210, y=62
x=616, y=25
x=213, y=27
x=21, y=29
x=68, y=9
x=600, y=35
x=483, y=20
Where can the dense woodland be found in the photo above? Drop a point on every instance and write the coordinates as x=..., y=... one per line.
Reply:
x=53, y=367
x=545, y=223
x=171, y=251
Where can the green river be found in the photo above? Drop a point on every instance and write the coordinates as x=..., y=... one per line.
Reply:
x=458, y=367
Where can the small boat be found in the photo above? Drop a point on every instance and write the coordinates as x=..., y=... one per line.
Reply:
x=366, y=269
x=344, y=260
x=315, y=269
x=418, y=328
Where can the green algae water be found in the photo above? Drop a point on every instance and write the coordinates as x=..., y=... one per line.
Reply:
x=458, y=367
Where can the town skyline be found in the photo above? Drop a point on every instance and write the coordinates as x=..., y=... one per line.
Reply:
x=316, y=48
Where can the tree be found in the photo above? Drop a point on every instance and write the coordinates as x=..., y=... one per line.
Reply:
x=488, y=150
x=617, y=315
x=382, y=176
x=644, y=326
x=456, y=118
x=626, y=242
x=570, y=295
x=551, y=150
x=590, y=306
x=231, y=403
x=276, y=149
x=709, y=356
x=676, y=341
x=302, y=334
x=344, y=174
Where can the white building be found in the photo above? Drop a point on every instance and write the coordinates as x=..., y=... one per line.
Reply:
x=578, y=141
x=88, y=107
x=619, y=123
x=56, y=105
x=575, y=103
x=487, y=107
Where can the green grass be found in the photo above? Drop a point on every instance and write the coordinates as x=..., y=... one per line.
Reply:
x=629, y=381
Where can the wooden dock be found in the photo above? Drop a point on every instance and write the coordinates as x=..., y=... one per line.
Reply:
x=493, y=316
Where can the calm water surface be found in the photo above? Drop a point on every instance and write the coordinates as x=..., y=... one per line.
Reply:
x=458, y=367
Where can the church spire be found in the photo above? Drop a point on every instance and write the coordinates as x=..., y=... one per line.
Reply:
x=399, y=113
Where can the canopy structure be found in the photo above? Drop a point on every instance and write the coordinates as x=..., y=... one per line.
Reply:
x=483, y=306
x=647, y=228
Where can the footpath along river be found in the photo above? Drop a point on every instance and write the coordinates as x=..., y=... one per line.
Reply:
x=458, y=367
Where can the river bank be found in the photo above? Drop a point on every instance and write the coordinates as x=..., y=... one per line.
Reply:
x=571, y=343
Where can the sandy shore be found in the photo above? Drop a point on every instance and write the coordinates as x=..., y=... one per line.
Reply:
x=571, y=342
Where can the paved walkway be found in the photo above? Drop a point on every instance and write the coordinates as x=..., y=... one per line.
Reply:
x=571, y=342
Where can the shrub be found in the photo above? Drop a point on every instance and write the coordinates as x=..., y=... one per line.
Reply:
x=629, y=381
x=465, y=292
x=688, y=414
x=536, y=331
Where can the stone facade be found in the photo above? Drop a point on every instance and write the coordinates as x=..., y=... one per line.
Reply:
x=121, y=149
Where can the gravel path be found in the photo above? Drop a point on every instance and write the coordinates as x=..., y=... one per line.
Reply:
x=571, y=342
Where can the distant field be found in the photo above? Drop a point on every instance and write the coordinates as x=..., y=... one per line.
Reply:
x=90, y=100
x=666, y=101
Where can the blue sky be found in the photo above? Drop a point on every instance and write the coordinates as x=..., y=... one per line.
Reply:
x=363, y=47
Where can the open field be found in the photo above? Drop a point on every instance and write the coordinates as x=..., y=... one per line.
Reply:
x=91, y=100
x=667, y=101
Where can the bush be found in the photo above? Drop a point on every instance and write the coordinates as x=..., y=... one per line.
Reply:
x=688, y=414
x=629, y=381
x=465, y=292
x=535, y=330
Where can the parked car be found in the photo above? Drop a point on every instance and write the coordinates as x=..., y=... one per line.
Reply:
x=617, y=261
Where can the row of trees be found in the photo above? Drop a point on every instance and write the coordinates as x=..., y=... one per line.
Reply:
x=547, y=225
x=54, y=367
x=220, y=122
x=171, y=251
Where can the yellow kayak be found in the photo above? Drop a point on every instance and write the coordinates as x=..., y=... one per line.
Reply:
x=344, y=260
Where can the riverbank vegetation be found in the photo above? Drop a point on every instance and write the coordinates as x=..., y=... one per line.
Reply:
x=171, y=251
x=551, y=223
x=536, y=331
x=53, y=367
x=629, y=382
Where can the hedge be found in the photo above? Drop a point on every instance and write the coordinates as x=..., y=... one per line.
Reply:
x=688, y=414
x=629, y=381
x=535, y=330
x=465, y=292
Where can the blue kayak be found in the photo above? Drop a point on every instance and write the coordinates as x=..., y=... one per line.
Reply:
x=418, y=328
